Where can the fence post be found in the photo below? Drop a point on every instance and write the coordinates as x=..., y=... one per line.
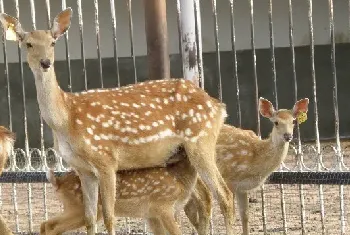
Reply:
x=157, y=39
x=188, y=38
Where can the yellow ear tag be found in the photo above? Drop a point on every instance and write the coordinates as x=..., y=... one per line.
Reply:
x=10, y=33
x=302, y=117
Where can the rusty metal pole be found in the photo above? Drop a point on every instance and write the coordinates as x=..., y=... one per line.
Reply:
x=157, y=39
x=188, y=38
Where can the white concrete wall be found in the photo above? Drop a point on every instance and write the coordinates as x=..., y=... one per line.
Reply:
x=242, y=18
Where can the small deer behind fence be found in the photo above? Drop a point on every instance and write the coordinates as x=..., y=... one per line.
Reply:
x=99, y=132
x=155, y=194
x=245, y=161
x=7, y=139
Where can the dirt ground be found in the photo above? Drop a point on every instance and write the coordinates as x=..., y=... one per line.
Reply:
x=32, y=205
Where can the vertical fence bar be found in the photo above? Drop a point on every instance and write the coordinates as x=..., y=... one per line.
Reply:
x=178, y=9
x=157, y=39
x=115, y=43
x=339, y=164
x=198, y=16
x=25, y=120
x=82, y=44
x=188, y=38
x=272, y=55
x=217, y=47
x=318, y=145
x=235, y=67
x=30, y=213
x=342, y=210
x=313, y=75
x=252, y=36
x=291, y=46
x=67, y=53
x=97, y=31
x=44, y=161
x=274, y=77
x=131, y=33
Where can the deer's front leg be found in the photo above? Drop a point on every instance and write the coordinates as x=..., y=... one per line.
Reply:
x=89, y=186
x=243, y=203
x=107, y=180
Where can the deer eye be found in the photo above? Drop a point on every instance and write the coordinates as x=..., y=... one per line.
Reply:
x=276, y=123
x=53, y=44
x=29, y=45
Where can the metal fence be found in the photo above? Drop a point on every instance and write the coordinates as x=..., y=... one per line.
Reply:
x=317, y=169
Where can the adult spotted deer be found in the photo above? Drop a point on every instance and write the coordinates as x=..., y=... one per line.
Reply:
x=245, y=161
x=7, y=139
x=155, y=194
x=98, y=132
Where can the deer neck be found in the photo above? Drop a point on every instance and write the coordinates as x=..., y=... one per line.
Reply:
x=277, y=146
x=51, y=99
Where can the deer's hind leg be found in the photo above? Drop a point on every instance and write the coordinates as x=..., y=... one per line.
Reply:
x=202, y=155
x=199, y=207
x=156, y=226
x=243, y=204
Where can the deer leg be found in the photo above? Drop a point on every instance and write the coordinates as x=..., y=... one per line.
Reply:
x=64, y=223
x=198, y=208
x=89, y=186
x=108, y=194
x=169, y=222
x=156, y=226
x=4, y=228
x=243, y=204
x=203, y=157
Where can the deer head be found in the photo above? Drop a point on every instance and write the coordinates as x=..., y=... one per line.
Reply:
x=283, y=119
x=39, y=43
x=67, y=187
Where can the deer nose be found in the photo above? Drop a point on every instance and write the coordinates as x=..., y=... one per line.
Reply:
x=45, y=64
x=287, y=137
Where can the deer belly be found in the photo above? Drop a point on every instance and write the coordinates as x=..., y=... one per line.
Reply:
x=133, y=207
x=248, y=184
x=147, y=155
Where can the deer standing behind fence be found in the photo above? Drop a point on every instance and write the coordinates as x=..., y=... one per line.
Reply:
x=7, y=139
x=245, y=161
x=100, y=131
x=154, y=194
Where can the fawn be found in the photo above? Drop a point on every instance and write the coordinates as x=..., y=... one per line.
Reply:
x=245, y=161
x=98, y=132
x=151, y=193
x=7, y=139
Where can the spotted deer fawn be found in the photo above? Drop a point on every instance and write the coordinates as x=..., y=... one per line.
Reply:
x=245, y=161
x=98, y=132
x=151, y=193
x=7, y=139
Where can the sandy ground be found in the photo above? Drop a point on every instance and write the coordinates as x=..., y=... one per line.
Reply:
x=32, y=205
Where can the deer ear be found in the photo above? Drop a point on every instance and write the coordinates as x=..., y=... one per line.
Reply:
x=266, y=108
x=12, y=27
x=61, y=23
x=301, y=106
x=50, y=175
